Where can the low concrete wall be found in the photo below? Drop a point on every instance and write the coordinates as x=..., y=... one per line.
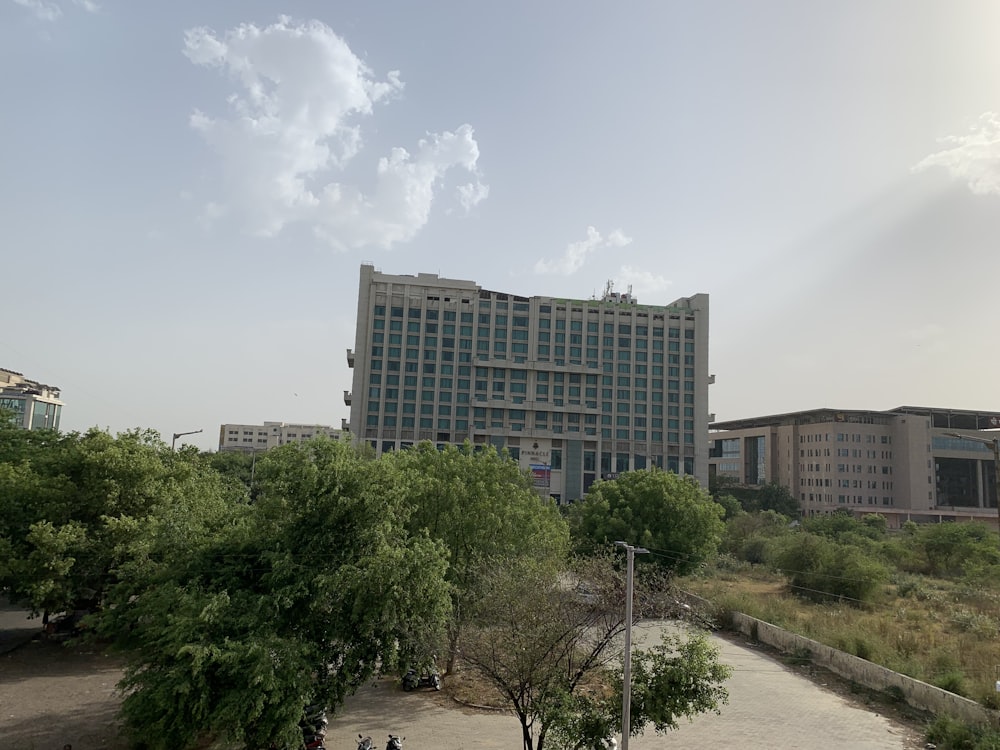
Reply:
x=916, y=693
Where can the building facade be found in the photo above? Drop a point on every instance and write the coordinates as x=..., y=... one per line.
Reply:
x=34, y=405
x=909, y=463
x=575, y=390
x=260, y=437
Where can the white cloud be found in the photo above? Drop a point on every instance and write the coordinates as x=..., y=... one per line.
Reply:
x=46, y=10
x=576, y=253
x=974, y=158
x=643, y=284
x=43, y=10
x=472, y=194
x=294, y=121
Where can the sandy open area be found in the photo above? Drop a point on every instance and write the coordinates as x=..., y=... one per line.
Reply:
x=51, y=695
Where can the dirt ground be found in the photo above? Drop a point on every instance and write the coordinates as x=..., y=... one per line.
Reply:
x=52, y=695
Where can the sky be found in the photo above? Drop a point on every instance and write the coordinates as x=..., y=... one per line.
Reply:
x=188, y=190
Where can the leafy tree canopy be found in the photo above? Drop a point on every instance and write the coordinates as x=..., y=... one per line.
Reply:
x=842, y=523
x=314, y=589
x=820, y=568
x=482, y=508
x=551, y=646
x=671, y=516
x=70, y=506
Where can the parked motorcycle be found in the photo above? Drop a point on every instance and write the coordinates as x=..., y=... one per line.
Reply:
x=313, y=726
x=365, y=743
x=412, y=680
x=394, y=743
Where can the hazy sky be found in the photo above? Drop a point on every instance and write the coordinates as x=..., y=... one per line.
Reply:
x=188, y=189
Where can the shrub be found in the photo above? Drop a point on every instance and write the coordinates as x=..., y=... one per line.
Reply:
x=951, y=734
x=822, y=569
x=953, y=682
x=863, y=649
x=976, y=623
x=910, y=586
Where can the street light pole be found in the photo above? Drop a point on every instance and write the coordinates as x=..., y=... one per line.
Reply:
x=173, y=442
x=995, y=444
x=627, y=667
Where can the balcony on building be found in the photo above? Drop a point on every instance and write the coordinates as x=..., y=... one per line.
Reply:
x=345, y=426
x=350, y=358
x=347, y=398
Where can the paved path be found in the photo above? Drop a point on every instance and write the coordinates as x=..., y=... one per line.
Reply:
x=770, y=708
x=15, y=627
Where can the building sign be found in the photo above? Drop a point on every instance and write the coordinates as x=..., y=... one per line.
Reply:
x=541, y=475
x=609, y=475
x=536, y=452
x=536, y=457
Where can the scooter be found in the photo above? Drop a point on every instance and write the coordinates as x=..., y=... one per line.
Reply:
x=394, y=743
x=314, y=721
x=412, y=680
x=365, y=743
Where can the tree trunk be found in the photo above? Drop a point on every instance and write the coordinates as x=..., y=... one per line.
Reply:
x=453, y=636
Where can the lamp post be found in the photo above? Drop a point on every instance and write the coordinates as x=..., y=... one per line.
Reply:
x=173, y=442
x=627, y=667
x=995, y=444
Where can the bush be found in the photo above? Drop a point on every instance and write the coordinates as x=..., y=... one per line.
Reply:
x=953, y=682
x=863, y=649
x=951, y=734
x=821, y=569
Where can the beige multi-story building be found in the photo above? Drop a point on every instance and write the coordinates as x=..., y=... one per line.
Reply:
x=260, y=437
x=908, y=463
x=574, y=389
x=34, y=405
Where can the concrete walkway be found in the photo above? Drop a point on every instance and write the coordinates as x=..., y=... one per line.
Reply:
x=15, y=627
x=770, y=708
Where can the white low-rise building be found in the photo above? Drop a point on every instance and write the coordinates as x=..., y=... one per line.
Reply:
x=260, y=437
x=34, y=405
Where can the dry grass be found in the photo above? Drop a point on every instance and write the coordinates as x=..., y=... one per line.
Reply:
x=469, y=687
x=937, y=631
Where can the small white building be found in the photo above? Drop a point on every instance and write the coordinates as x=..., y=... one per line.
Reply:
x=260, y=437
x=35, y=406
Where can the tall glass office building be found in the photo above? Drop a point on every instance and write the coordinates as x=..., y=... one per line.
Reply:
x=575, y=390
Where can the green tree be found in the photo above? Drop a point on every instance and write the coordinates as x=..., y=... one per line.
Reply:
x=671, y=516
x=237, y=465
x=730, y=505
x=680, y=677
x=819, y=568
x=843, y=523
x=483, y=508
x=768, y=496
x=748, y=536
x=68, y=504
x=552, y=649
x=954, y=549
x=299, y=599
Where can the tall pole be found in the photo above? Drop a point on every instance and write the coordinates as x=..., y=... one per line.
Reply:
x=627, y=660
x=996, y=478
x=173, y=442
